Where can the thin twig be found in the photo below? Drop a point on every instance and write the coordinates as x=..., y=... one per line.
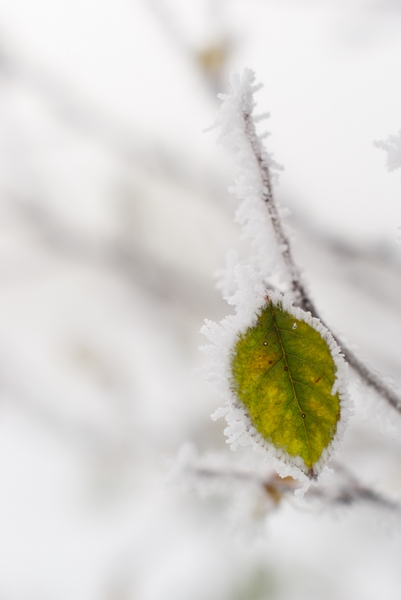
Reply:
x=352, y=491
x=348, y=492
x=298, y=288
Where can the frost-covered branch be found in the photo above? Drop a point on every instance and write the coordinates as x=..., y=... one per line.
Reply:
x=242, y=100
x=392, y=145
x=297, y=286
x=214, y=474
x=371, y=378
x=348, y=491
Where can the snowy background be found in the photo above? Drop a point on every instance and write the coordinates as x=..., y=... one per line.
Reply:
x=114, y=218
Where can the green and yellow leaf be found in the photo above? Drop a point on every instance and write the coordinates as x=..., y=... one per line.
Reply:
x=283, y=371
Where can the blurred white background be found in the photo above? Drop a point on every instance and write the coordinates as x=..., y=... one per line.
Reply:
x=114, y=218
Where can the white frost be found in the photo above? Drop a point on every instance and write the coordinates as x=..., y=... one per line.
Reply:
x=392, y=145
x=248, y=185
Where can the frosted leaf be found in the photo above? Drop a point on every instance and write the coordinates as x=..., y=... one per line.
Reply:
x=241, y=429
x=285, y=381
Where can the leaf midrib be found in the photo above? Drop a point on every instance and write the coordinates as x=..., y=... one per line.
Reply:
x=278, y=329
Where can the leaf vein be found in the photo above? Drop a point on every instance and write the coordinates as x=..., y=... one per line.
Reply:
x=311, y=363
x=314, y=392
